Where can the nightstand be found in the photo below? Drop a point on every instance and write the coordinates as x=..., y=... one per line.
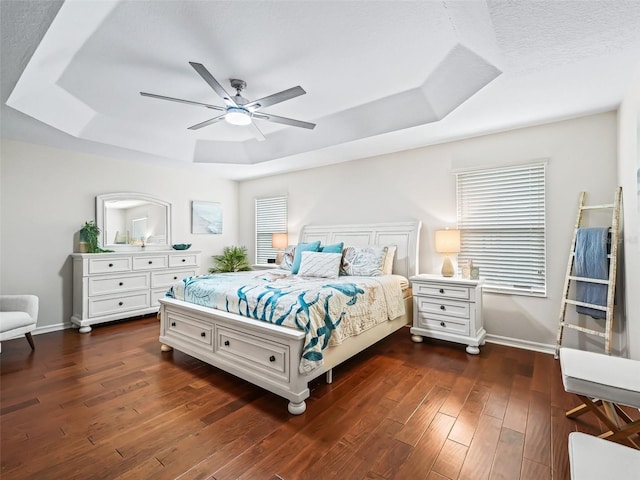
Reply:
x=448, y=308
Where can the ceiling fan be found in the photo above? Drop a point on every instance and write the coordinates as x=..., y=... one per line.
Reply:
x=239, y=110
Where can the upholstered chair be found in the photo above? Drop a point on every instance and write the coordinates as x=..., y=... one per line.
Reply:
x=18, y=316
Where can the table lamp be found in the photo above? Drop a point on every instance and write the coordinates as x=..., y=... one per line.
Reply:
x=447, y=242
x=279, y=241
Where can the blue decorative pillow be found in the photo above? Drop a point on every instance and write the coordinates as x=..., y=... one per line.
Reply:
x=335, y=248
x=303, y=247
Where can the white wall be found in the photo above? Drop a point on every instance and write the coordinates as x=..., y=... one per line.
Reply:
x=629, y=178
x=46, y=196
x=420, y=184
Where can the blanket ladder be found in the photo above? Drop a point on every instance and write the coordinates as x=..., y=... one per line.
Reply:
x=610, y=282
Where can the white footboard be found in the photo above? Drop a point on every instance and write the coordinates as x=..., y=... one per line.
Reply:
x=264, y=354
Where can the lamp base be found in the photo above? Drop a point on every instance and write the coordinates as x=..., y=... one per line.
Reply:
x=447, y=267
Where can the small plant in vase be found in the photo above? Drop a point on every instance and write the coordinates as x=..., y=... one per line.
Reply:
x=233, y=259
x=89, y=234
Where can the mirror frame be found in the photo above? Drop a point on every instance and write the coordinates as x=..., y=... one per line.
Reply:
x=101, y=215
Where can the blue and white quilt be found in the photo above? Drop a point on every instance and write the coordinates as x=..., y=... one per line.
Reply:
x=327, y=310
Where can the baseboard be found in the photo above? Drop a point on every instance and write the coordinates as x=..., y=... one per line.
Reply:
x=523, y=344
x=51, y=328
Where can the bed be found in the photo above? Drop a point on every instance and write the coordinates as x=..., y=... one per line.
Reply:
x=272, y=355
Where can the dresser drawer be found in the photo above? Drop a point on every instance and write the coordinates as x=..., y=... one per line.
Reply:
x=271, y=358
x=118, y=303
x=104, y=285
x=185, y=260
x=156, y=295
x=441, y=290
x=443, y=308
x=109, y=265
x=190, y=329
x=150, y=262
x=452, y=326
x=166, y=279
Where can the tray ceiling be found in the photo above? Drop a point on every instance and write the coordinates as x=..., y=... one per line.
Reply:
x=380, y=76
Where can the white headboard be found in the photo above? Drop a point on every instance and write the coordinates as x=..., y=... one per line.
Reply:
x=404, y=235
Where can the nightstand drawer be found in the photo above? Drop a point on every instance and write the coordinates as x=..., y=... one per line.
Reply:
x=452, y=326
x=441, y=290
x=442, y=308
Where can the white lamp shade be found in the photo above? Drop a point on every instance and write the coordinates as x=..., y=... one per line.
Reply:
x=447, y=241
x=279, y=240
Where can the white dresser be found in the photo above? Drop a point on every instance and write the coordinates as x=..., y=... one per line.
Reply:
x=448, y=308
x=112, y=286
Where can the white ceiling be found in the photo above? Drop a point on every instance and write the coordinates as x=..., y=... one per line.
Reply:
x=380, y=76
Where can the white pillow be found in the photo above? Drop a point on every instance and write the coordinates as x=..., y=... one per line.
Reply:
x=387, y=268
x=320, y=264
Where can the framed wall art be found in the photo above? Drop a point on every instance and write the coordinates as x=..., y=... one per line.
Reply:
x=206, y=217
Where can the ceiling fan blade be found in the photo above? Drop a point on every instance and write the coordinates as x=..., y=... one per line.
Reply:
x=284, y=120
x=258, y=135
x=189, y=102
x=276, y=98
x=207, y=122
x=213, y=83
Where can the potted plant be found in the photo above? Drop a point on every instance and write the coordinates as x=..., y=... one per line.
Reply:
x=89, y=235
x=233, y=259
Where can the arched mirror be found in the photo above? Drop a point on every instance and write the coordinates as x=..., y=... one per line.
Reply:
x=133, y=219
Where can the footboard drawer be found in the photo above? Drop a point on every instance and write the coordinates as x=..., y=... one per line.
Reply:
x=267, y=356
x=186, y=328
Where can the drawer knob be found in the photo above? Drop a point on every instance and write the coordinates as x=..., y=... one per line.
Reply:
x=226, y=343
x=150, y=262
x=121, y=283
x=111, y=264
x=175, y=278
x=173, y=324
x=202, y=334
x=442, y=307
x=442, y=290
x=184, y=260
x=442, y=324
x=272, y=358
x=120, y=303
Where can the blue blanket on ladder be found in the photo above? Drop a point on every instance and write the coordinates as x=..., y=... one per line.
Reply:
x=591, y=261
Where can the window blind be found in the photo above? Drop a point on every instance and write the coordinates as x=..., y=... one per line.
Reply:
x=501, y=215
x=271, y=217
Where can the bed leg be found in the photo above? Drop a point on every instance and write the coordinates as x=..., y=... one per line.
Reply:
x=330, y=375
x=296, y=408
x=165, y=348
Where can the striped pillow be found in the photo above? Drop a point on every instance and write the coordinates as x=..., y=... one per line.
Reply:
x=319, y=264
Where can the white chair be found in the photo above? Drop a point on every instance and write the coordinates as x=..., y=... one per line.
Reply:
x=603, y=383
x=18, y=316
x=592, y=458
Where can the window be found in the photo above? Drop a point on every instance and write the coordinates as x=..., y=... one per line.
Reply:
x=501, y=215
x=271, y=217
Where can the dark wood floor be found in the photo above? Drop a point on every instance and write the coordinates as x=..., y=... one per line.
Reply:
x=110, y=405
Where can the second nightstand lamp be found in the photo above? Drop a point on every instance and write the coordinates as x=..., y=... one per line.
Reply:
x=279, y=241
x=447, y=242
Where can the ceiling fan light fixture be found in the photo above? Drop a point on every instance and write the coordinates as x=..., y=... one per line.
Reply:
x=238, y=116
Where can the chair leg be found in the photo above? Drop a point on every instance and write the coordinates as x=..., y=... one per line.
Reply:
x=30, y=340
